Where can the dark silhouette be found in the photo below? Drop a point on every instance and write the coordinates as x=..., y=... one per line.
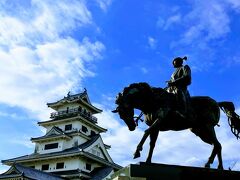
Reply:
x=180, y=80
x=158, y=107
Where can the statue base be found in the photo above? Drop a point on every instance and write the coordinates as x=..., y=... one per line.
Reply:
x=143, y=171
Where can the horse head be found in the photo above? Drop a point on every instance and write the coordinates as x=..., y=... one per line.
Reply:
x=136, y=95
x=125, y=109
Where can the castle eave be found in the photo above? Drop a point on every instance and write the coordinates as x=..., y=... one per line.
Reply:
x=51, y=156
x=77, y=118
x=50, y=138
x=75, y=173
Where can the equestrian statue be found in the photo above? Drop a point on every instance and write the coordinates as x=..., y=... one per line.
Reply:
x=172, y=108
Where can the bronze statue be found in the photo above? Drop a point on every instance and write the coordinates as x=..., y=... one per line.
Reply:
x=158, y=107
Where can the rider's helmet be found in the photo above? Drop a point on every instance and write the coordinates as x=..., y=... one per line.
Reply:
x=178, y=61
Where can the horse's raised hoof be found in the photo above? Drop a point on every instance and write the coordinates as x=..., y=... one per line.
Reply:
x=136, y=155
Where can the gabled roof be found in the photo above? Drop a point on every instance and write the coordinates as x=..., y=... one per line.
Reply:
x=81, y=98
x=18, y=170
x=80, y=150
x=99, y=142
x=54, y=133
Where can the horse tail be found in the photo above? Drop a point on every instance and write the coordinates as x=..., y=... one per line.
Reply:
x=233, y=119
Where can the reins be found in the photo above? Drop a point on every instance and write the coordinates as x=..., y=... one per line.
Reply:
x=138, y=118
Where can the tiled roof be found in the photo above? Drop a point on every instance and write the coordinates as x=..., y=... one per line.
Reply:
x=100, y=173
x=80, y=97
x=66, y=151
x=78, y=150
x=30, y=173
x=74, y=172
x=49, y=135
x=76, y=118
x=71, y=97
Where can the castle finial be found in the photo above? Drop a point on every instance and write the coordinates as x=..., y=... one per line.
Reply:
x=68, y=94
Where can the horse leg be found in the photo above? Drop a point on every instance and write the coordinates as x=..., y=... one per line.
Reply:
x=140, y=145
x=219, y=155
x=208, y=135
x=217, y=149
x=152, y=128
x=212, y=157
x=153, y=139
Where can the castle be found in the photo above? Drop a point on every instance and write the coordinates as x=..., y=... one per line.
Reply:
x=72, y=147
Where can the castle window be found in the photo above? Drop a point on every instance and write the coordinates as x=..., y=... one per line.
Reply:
x=60, y=165
x=51, y=146
x=93, y=133
x=84, y=129
x=88, y=167
x=68, y=127
x=45, y=167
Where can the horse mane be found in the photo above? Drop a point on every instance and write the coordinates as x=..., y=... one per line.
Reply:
x=141, y=86
x=147, y=92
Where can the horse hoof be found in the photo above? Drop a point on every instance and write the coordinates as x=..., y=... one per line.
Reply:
x=148, y=162
x=207, y=165
x=220, y=168
x=136, y=155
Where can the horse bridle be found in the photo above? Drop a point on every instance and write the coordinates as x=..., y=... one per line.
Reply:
x=138, y=118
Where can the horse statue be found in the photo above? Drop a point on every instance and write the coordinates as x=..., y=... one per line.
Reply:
x=158, y=106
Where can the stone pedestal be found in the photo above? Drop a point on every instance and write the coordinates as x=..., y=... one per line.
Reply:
x=143, y=171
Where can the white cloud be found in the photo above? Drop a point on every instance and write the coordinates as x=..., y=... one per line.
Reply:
x=160, y=22
x=14, y=116
x=208, y=20
x=205, y=26
x=236, y=165
x=144, y=70
x=3, y=170
x=41, y=61
x=175, y=19
x=235, y=4
x=152, y=42
x=43, y=21
x=104, y=4
x=23, y=141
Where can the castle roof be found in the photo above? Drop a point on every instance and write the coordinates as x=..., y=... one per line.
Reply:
x=81, y=98
x=54, y=133
x=74, y=173
x=80, y=150
x=20, y=171
x=101, y=173
x=97, y=174
x=76, y=118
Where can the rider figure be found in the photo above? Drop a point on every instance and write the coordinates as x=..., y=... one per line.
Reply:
x=180, y=79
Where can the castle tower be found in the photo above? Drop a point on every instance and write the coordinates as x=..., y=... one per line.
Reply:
x=72, y=146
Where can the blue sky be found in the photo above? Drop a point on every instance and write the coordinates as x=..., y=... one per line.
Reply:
x=49, y=48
